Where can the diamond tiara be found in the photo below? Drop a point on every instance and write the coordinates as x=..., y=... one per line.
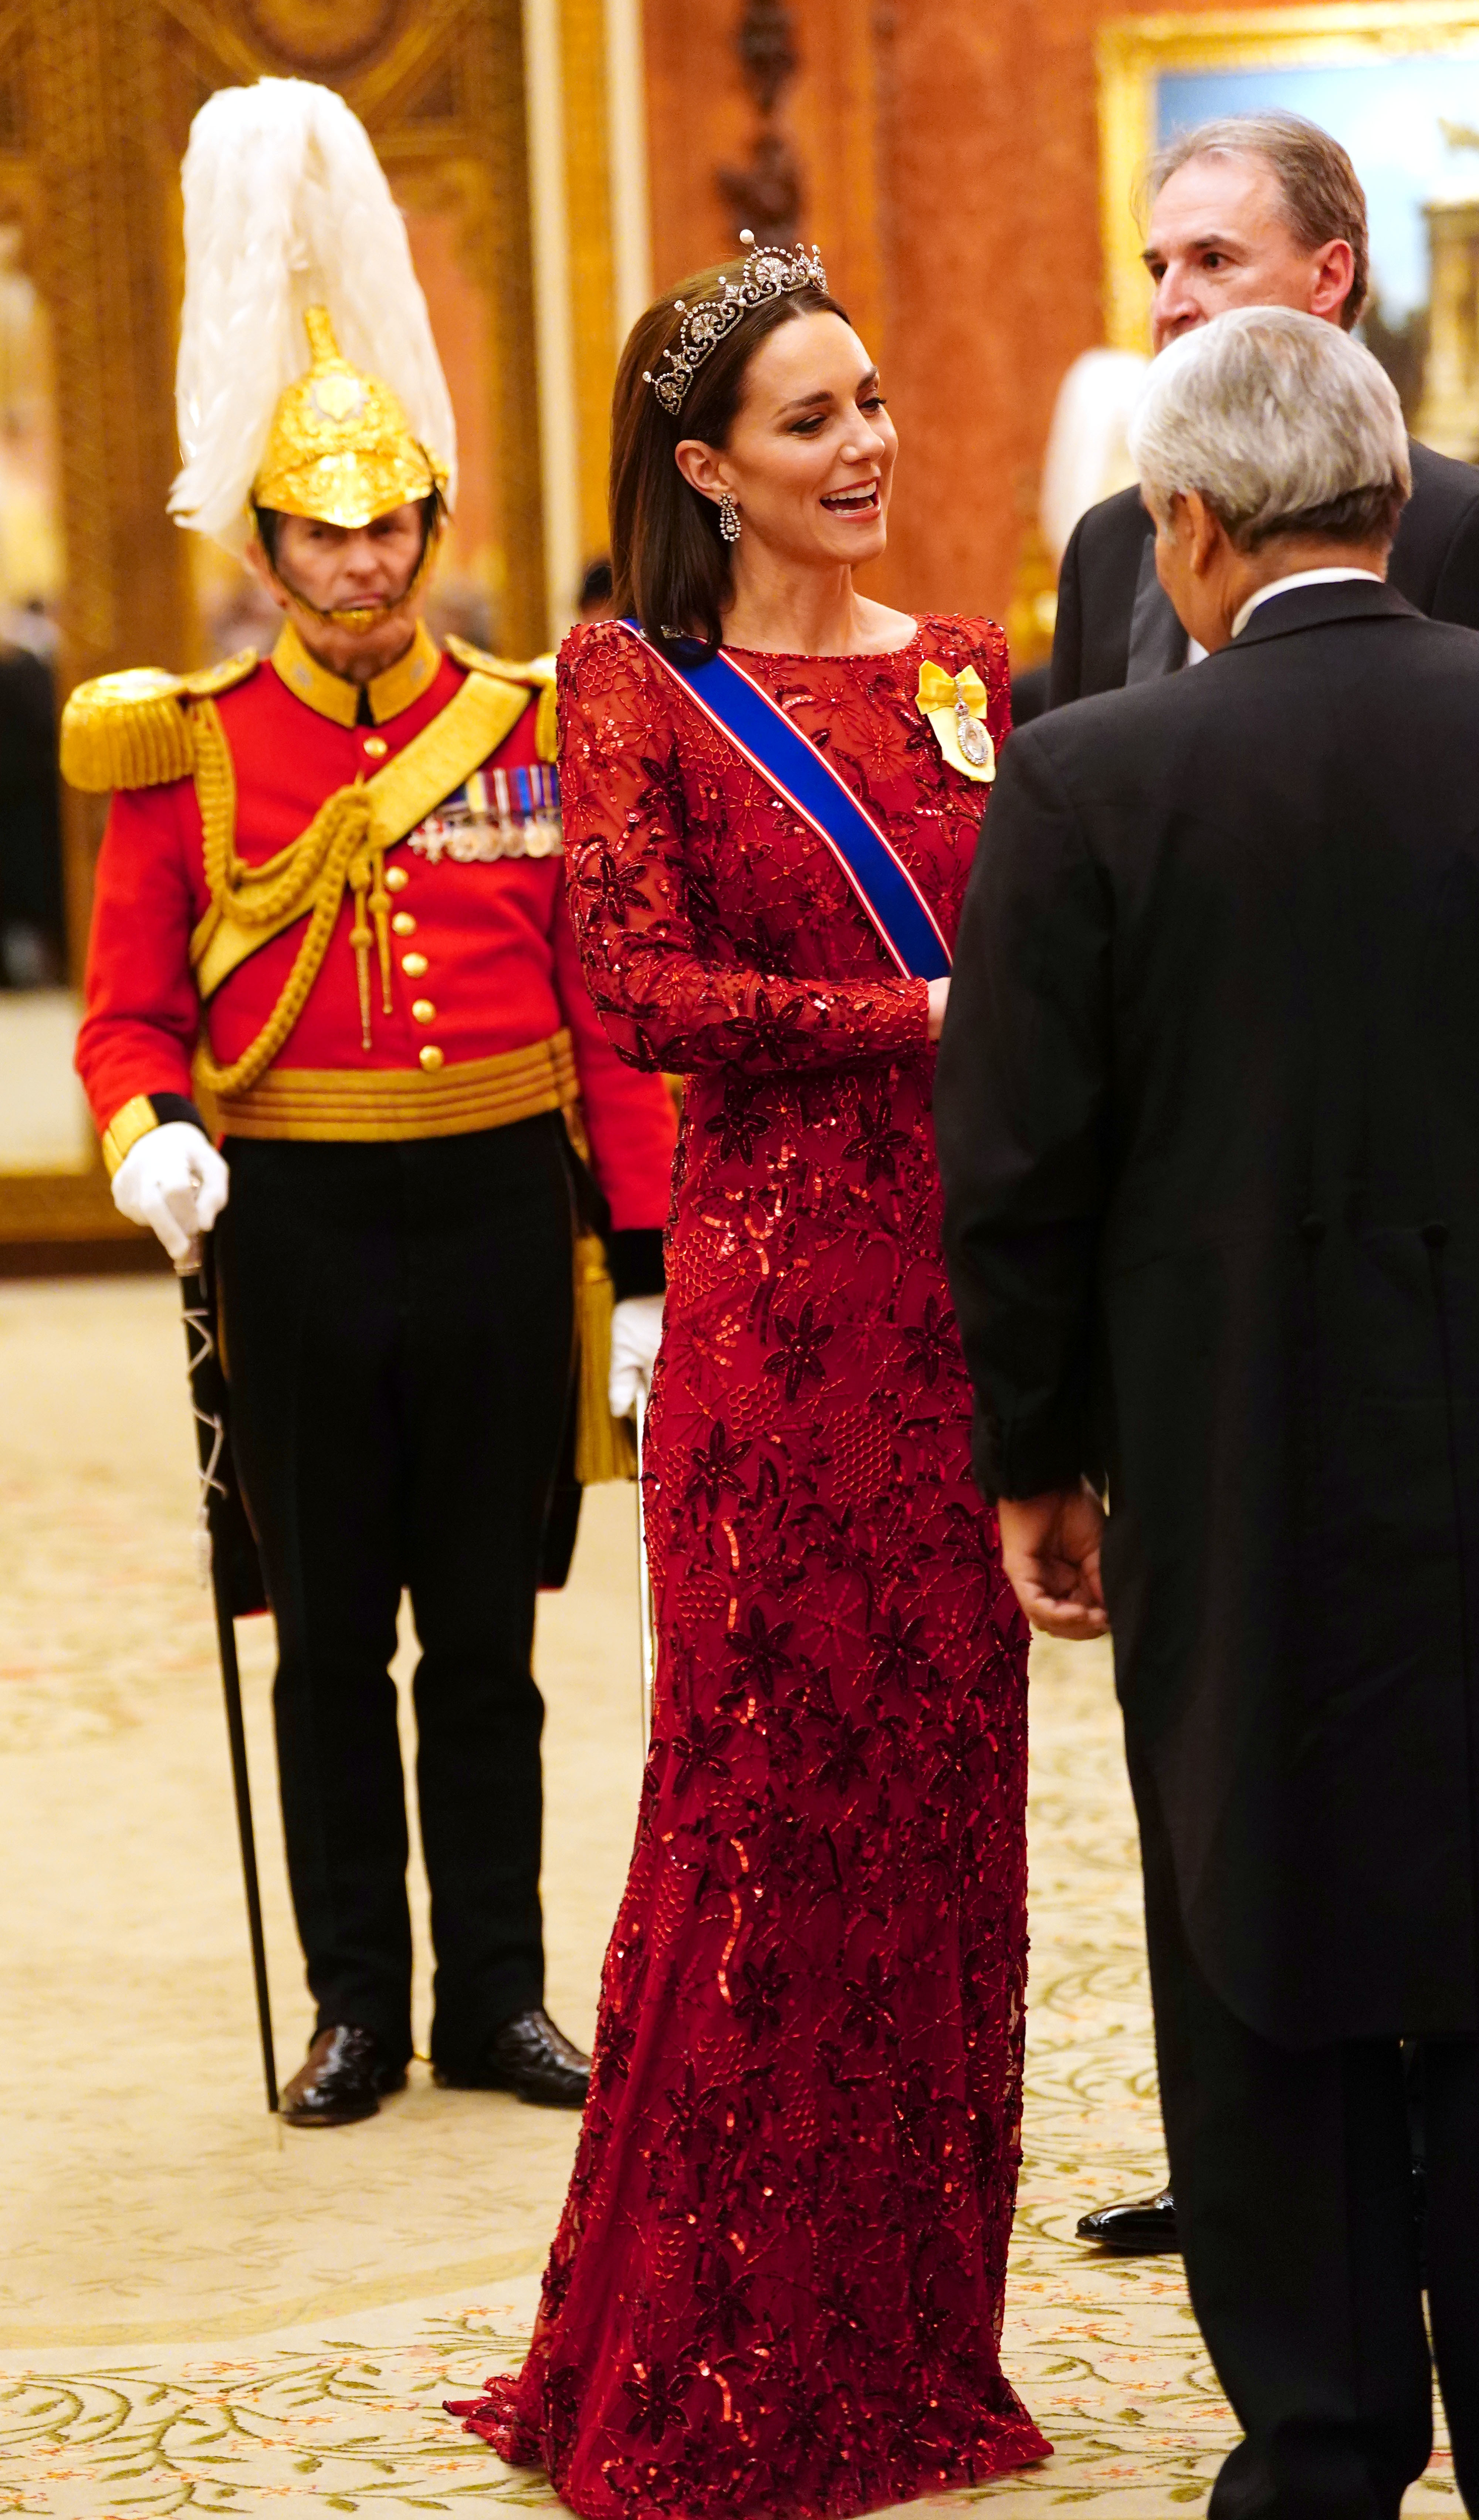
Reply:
x=770, y=271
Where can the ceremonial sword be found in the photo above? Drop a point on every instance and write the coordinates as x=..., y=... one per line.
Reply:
x=226, y=1558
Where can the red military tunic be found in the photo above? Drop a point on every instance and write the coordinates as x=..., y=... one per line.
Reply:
x=483, y=960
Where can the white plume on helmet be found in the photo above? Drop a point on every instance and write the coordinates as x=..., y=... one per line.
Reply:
x=287, y=206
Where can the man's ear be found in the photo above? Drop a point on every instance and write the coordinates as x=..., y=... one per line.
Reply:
x=1334, y=277
x=262, y=569
x=1204, y=533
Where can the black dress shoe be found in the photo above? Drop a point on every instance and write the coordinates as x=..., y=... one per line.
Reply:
x=1136, y=2230
x=345, y=2077
x=529, y=2058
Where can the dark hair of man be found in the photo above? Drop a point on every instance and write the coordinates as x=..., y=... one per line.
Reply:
x=269, y=522
x=1323, y=197
x=594, y=585
x=670, y=562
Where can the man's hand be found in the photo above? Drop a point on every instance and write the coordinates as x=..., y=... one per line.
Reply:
x=636, y=1332
x=1050, y=1552
x=173, y=1179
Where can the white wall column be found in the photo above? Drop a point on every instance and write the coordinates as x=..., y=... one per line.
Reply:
x=627, y=124
x=559, y=437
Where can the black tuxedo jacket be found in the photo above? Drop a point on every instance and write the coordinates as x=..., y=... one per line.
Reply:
x=1115, y=624
x=1208, y=1117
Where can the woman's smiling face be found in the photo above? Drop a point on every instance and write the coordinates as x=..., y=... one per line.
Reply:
x=811, y=454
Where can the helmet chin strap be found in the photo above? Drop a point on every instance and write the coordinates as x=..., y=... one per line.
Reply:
x=357, y=617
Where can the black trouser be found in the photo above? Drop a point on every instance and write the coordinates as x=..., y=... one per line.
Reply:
x=1293, y=2178
x=399, y=1323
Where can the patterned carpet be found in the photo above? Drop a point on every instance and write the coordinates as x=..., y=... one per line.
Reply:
x=202, y=2313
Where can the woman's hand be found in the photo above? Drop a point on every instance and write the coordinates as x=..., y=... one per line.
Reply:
x=939, y=992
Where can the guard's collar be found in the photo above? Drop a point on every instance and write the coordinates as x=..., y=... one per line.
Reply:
x=332, y=698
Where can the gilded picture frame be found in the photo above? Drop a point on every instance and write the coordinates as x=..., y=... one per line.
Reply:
x=1324, y=60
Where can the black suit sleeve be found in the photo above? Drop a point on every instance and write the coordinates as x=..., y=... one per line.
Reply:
x=1020, y=1108
x=1065, y=674
x=1455, y=598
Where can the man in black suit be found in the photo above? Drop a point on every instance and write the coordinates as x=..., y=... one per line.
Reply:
x=1254, y=210
x=1260, y=209
x=1208, y=1118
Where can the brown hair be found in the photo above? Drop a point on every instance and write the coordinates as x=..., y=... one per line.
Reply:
x=1321, y=190
x=670, y=562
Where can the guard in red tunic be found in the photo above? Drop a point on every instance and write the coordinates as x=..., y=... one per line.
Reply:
x=330, y=916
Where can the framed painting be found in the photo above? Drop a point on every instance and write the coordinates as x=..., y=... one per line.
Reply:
x=1397, y=82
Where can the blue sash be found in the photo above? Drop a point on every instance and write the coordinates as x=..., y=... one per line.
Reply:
x=807, y=783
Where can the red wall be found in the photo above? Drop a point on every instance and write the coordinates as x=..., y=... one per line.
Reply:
x=950, y=157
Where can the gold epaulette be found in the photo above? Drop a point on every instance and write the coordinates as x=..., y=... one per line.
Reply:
x=134, y=729
x=538, y=675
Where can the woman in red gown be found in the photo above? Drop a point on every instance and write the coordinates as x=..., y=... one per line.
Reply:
x=777, y=2283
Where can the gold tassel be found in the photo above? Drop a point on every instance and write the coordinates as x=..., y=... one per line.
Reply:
x=379, y=911
x=605, y=1447
x=360, y=937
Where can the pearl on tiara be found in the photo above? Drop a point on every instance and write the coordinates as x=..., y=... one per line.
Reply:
x=770, y=271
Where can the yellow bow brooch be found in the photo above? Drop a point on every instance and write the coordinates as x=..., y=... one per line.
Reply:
x=956, y=707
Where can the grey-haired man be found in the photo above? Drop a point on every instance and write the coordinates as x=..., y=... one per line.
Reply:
x=1256, y=209
x=1209, y=1123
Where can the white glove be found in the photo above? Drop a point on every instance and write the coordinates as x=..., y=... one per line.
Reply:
x=636, y=1336
x=173, y=1179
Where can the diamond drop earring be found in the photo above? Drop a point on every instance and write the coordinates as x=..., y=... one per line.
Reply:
x=728, y=517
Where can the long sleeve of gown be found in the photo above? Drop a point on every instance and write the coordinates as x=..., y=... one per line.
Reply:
x=673, y=987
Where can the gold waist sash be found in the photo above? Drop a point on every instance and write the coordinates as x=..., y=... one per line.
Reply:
x=404, y=1102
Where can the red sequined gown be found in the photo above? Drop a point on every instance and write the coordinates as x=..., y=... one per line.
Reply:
x=777, y=2286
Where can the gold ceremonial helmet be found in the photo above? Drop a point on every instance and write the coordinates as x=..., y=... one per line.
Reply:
x=341, y=449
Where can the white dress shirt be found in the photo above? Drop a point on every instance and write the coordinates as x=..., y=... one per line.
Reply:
x=1300, y=577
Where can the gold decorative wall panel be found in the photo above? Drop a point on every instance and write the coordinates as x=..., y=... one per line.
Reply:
x=321, y=36
x=588, y=193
